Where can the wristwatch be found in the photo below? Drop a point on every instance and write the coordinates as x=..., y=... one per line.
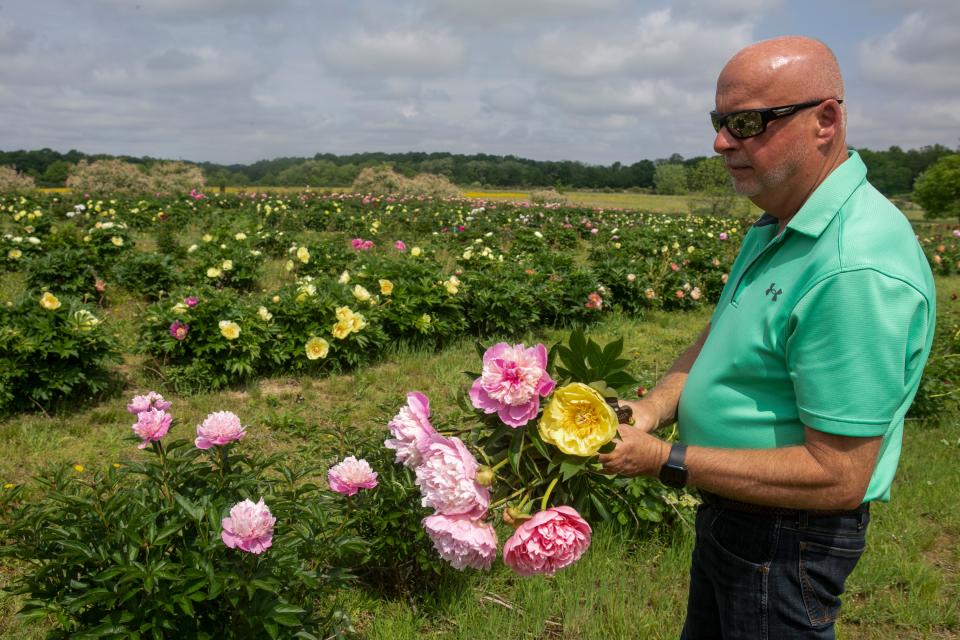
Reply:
x=673, y=473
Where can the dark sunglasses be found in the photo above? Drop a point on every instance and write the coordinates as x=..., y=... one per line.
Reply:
x=753, y=122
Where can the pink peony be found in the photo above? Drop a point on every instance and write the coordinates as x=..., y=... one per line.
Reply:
x=513, y=380
x=152, y=425
x=249, y=527
x=723, y=235
x=179, y=330
x=191, y=301
x=594, y=301
x=219, y=428
x=351, y=475
x=447, y=479
x=400, y=245
x=462, y=541
x=551, y=540
x=152, y=400
x=411, y=430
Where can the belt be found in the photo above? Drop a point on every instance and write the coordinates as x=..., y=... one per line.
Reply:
x=729, y=504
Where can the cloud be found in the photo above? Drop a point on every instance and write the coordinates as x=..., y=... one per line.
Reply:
x=921, y=53
x=14, y=40
x=193, y=9
x=511, y=11
x=415, y=52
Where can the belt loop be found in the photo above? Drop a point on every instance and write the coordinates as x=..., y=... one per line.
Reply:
x=861, y=518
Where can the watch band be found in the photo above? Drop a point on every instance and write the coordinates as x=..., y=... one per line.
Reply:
x=673, y=473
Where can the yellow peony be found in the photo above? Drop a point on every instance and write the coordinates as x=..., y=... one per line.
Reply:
x=229, y=330
x=117, y=241
x=578, y=421
x=264, y=314
x=227, y=265
x=341, y=330
x=357, y=322
x=416, y=251
x=344, y=277
x=49, y=301
x=303, y=255
x=213, y=272
x=317, y=348
x=240, y=236
x=14, y=254
x=386, y=287
x=360, y=293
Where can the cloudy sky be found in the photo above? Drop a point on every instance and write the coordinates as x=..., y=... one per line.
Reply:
x=590, y=80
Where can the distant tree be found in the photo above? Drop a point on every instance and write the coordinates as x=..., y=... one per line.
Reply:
x=14, y=182
x=108, y=176
x=937, y=189
x=56, y=173
x=176, y=178
x=713, y=194
x=670, y=179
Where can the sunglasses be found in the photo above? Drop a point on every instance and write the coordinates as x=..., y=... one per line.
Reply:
x=752, y=122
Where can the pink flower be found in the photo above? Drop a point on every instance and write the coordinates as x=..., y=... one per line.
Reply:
x=513, y=380
x=196, y=195
x=191, y=301
x=351, y=475
x=359, y=244
x=249, y=527
x=551, y=540
x=179, y=330
x=674, y=266
x=594, y=301
x=696, y=293
x=152, y=400
x=462, y=541
x=447, y=479
x=399, y=245
x=723, y=235
x=152, y=425
x=680, y=294
x=956, y=233
x=219, y=428
x=412, y=430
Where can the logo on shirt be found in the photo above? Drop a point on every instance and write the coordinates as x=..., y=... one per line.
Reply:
x=773, y=289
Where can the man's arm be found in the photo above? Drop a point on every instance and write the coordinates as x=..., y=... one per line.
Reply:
x=825, y=472
x=659, y=407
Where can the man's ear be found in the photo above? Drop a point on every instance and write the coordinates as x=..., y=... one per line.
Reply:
x=829, y=120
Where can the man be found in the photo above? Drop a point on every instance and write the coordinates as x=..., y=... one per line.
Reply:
x=791, y=402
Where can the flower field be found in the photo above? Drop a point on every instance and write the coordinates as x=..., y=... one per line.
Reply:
x=202, y=298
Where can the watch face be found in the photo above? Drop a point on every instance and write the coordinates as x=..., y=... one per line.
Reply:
x=675, y=477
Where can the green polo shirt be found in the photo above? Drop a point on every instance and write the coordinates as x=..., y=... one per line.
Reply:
x=828, y=325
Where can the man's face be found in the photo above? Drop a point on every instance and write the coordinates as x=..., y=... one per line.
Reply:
x=762, y=166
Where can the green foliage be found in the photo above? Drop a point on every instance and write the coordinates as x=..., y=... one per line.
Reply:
x=146, y=274
x=136, y=551
x=53, y=359
x=226, y=263
x=670, y=179
x=939, y=392
x=937, y=189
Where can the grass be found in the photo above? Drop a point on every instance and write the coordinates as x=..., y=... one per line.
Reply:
x=906, y=586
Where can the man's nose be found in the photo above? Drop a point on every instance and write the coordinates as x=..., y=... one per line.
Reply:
x=724, y=141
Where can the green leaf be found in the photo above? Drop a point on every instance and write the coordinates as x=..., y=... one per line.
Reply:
x=516, y=446
x=599, y=506
x=571, y=467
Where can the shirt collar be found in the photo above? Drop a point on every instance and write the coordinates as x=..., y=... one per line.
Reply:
x=826, y=200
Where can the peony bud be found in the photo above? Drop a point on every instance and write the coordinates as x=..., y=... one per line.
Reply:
x=485, y=476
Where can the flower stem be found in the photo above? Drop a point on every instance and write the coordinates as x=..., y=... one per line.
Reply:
x=546, y=496
x=503, y=501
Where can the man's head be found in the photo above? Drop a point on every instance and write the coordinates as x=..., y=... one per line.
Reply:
x=797, y=149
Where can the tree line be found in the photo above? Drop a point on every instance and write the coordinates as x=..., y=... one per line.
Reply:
x=893, y=171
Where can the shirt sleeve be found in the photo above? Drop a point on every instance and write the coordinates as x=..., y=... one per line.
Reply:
x=854, y=344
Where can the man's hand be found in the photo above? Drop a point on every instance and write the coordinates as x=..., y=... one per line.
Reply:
x=636, y=453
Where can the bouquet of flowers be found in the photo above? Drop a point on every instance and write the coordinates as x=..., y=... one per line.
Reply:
x=541, y=418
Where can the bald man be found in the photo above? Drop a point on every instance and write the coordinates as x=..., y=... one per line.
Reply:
x=791, y=402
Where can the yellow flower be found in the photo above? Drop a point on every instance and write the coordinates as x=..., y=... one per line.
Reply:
x=275, y=298
x=78, y=468
x=116, y=465
x=289, y=265
x=264, y=314
x=229, y=330
x=416, y=251
x=344, y=313
x=303, y=255
x=317, y=348
x=227, y=265
x=49, y=301
x=240, y=236
x=341, y=330
x=9, y=485
x=386, y=287
x=14, y=254
x=452, y=285
x=578, y=421
x=117, y=241
x=213, y=272
x=207, y=237
x=357, y=322
x=344, y=277
x=360, y=293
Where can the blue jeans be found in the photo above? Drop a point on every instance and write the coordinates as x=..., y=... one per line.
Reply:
x=759, y=576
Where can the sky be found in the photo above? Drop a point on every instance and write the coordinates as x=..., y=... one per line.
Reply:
x=597, y=81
